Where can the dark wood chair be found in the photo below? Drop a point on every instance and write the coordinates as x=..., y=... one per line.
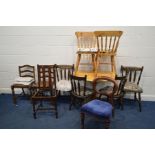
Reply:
x=79, y=92
x=133, y=75
x=98, y=108
x=45, y=90
x=25, y=80
x=119, y=95
x=63, y=73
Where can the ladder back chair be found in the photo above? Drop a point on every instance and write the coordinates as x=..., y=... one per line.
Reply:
x=25, y=80
x=107, y=45
x=45, y=91
x=133, y=75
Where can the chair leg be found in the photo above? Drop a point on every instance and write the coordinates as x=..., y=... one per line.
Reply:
x=13, y=95
x=122, y=104
x=139, y=102
x=107, y=123
x=71, y=103
x=82, y=120
x=34, y=110
x=135, y=96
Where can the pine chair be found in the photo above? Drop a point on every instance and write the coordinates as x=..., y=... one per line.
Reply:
x=79, y=92
x=98, y=108
x=25, y=80
x=45, y=96
x=133, y=75
x=86, y=52
x=107, y=44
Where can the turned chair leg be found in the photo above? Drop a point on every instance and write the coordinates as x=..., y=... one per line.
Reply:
x=107, y=123
x=82, y=120
x=139, y=102
x=34, y=110
x=13, y=95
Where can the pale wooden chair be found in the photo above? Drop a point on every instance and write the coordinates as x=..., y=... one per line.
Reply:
x=86, y=52
x=107, y=44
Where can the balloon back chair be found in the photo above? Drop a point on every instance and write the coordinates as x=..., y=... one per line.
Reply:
x=98, y=108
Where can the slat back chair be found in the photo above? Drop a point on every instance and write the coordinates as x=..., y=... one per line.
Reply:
x=25, y=71
x=86, y=50
x=79, y=93
x=133, y=75
x=45, y=90
x=63, y=73
x=107, y=44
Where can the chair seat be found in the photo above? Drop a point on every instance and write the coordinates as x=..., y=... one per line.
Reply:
x=132, y=87
x=64, y=85
x=98, y=108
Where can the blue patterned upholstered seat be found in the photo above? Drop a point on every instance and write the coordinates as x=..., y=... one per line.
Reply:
x=98, y=108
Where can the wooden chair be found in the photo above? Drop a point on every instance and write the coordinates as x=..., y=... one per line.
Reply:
x=46, y=92
x=98, y=108
x=107, y=44
x=118, y=96
x=79, y=93
x=25, y=80
x=133, y=75
x=86, y=52
x=63, y=73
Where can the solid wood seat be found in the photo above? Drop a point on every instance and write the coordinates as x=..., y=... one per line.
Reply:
x=25, y=81
x=45, y=93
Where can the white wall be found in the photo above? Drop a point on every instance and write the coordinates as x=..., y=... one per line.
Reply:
x=50, y=45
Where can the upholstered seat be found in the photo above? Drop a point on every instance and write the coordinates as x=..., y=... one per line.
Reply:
x=98, y=107
x=64, y=85
x=132, y=87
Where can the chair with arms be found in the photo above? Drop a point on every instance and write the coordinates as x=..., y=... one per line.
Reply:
x=133, y=75
x=25, y=80
x=46, y=93
x=79, y=93
x=98, y=108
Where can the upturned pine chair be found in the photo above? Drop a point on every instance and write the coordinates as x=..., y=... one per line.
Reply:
x=45, y=90
x=133, y=75
x=107, y=45
x=25, y=80
x=86, y=52
x=98, y=108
